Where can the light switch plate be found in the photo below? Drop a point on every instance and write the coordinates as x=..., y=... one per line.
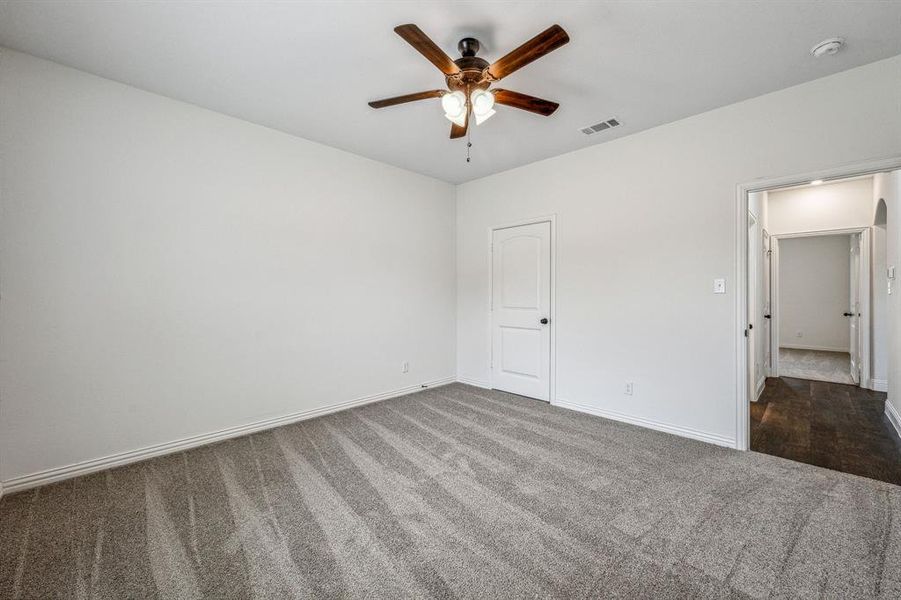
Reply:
x=719, y=286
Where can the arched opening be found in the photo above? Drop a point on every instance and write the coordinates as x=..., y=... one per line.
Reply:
x=879, y=220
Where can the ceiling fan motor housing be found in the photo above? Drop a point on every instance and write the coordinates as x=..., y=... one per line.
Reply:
x=472, y=68
x=468, y=46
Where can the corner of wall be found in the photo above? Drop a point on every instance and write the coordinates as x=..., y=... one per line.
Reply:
x=3, y=53
x=456, y=285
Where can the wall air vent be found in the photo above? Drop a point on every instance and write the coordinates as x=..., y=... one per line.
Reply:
x=598, y=127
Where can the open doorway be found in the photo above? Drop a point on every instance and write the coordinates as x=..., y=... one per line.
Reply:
x=816, y=330
x=820, y=306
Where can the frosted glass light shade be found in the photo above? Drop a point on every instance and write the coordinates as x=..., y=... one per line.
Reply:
x=482, y=103
x=484, y=117
x=454, y=104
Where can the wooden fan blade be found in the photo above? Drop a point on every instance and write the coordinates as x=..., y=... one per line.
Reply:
x=419, y=40
x=457, y=131
x=525, y=102
x=545, y=42
x=407, y=98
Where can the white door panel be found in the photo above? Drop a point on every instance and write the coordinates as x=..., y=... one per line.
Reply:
x=521, y=351
x=767, y=307
x=519, y=285
x=854, y=310
x=753, y=300
x=521, y=298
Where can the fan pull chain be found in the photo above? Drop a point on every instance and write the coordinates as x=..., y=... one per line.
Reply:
x=468, y=141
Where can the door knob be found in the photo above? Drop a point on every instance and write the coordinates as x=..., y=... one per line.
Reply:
x=847, y=314
x=544, y=321
x=767, y=316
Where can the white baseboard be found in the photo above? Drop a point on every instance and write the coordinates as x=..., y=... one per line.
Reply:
x=821, y=348
x=40, y=478
x=694, y=434
x=893, y=417
x=475, y=382
x=879, y=385
x=1, y=490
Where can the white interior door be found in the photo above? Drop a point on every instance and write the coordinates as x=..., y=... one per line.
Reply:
x=520, y=310
x=767, y=321
x=753, y=308
x=775, y=333
x=853, y=313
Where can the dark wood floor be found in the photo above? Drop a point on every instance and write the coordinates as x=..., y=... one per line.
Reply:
x=832, y=425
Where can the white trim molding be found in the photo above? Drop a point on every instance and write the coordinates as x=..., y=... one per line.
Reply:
x=879, y=385
x=761, y=385
x=474, y=382
x=893, y=417
x=808, y=347
x=686, y=432
x=40, y=478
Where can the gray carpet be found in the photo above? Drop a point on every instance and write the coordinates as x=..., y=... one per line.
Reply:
x=455, y=492
x=816, y=365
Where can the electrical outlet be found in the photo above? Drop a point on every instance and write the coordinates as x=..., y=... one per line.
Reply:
x=630, y=388
x=719, y=286
x=405, y=367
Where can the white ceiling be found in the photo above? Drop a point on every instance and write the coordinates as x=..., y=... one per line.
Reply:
x=309, y=68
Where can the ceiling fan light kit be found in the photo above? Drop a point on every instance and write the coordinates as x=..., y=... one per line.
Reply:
x=469, y=77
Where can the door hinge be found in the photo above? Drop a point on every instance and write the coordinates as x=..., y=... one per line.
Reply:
x=746, y=333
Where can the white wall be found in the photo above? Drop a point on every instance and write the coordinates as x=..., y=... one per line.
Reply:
x=879, y=339
x=637, y=254
x=887, y=186
x=168, y=271
x=814, y=290
x=840, y=205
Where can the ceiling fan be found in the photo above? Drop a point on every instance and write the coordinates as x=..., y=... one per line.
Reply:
x=469, y=77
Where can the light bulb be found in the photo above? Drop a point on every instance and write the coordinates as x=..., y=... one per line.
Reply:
x=454, y=105
x=483, y=117
x=482, y=103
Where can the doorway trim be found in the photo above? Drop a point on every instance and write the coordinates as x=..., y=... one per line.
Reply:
x=863, y=295
x=552, y=219
x=740, y=232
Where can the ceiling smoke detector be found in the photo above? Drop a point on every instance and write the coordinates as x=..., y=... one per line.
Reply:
x=828, y=47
